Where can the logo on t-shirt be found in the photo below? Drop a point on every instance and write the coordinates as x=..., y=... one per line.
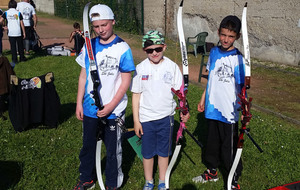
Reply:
x=168, y=77
x=224, y=72
x=109, y=65
x=145, y=77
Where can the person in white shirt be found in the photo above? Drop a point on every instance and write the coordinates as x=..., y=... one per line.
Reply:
x=15, y=27
x=29, y=15
x=1, y=32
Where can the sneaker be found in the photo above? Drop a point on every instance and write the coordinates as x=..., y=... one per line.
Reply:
x=235, y=187
x=148, y=186
x=161, y=186
x=23, y=59
x=85, y=185
x=206, y=176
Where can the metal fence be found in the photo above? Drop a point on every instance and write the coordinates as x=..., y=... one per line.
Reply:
x=128, y=13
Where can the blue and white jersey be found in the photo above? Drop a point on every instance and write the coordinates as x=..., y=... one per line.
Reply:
x=112, y=59
x=225, y=81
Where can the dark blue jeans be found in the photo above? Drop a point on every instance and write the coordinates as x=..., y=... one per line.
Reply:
x=111, y=136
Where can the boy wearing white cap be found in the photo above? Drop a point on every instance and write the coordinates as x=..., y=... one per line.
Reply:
x=114, y=65
x=153, y=106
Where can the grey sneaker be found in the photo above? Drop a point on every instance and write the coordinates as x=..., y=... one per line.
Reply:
x=206, y=176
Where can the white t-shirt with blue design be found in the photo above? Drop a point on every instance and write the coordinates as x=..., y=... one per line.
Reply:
x=27, y=10
x=112, y=59
x=225, y=80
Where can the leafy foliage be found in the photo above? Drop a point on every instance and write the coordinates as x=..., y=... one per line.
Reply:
x=125, y=11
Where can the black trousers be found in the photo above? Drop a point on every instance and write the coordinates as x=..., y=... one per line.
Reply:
x=16, y=43
x=222, y=145
x=29, y=37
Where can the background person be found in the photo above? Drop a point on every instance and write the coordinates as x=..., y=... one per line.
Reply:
x=16, y=30
x=1, y=33
x=29, y=15
x=78, y=37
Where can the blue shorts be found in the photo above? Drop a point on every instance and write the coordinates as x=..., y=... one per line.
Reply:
x=157, y=138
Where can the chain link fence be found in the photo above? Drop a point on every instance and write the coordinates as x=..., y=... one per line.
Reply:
x=127, y=12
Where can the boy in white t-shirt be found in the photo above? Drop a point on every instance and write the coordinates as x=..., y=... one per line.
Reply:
x=16, y=31
x=30, y=22
x=154, y=107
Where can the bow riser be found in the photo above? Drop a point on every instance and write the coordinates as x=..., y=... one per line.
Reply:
x=181, y=92
x=96, y=81
x=242, y=96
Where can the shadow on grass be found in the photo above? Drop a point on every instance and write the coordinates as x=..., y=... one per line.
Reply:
x=188, y=187
x=201, y=131
x=66, y=111
x=128, y=153
x=10, y=174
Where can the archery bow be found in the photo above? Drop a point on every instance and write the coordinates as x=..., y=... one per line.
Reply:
x=245, y=104
x=181, y=94
x=97, y=82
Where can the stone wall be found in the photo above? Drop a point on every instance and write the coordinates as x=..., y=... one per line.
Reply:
x=46, y=6
x=273, y=29
x=272, y=24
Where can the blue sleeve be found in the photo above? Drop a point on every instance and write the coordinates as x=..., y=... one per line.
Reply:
x=126, y=62
x=240, y=73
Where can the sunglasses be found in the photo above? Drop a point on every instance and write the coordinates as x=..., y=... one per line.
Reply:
x=149, y=51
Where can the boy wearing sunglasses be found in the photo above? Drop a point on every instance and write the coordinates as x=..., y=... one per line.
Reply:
x=154, y=107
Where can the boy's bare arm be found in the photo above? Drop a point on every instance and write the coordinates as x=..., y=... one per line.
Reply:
x=80, y=94
x=23, y=29
x=71, y=36
x=135, y=111
x=35, y=20
x=201, y=104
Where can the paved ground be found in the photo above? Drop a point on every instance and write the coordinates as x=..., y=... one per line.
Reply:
x=51, y=32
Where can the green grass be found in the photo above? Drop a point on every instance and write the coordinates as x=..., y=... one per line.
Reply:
x=43, y=158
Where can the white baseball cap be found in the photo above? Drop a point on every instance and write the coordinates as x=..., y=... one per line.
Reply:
x=101, y=12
